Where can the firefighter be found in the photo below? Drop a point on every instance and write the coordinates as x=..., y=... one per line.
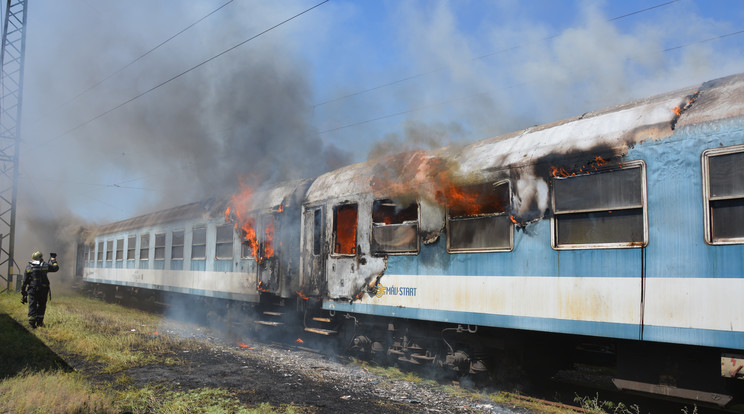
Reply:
x=35, y=288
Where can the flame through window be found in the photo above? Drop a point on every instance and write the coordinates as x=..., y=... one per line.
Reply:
x=478, y=218
x=394, y=227
x=345, y=228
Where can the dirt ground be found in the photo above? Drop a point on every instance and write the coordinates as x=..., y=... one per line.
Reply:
x=276, y=373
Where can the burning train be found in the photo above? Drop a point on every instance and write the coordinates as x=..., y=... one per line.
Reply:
x=617, y=235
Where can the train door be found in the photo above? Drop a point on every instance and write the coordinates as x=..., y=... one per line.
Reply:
x=268, y=263
x=314, y=251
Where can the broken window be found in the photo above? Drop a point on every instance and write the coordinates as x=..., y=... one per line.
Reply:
x=394, y=227
x=224, y=247
x=723, y=190
x=131, y=240
x=344, y=229
x=478, y=218
x=199, y=243
x=604, y=209
x=144, y=247
x=159, y=246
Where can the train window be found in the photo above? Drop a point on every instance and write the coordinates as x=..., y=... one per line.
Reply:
x=159, y=246
x=119, y=250
x=723, y=192
x=109, y=250
x=344, y=229
x=317, y=231
x=199, y=243
x=177, y=245
x=100, y=251
x=131, y=240
x=394, y=227
x=478, y=218
x=144, y=247
x=224, y=248
x=603, y=209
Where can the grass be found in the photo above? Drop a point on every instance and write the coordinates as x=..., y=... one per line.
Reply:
x=30, y=393
x=35, y=379
x=209, y=400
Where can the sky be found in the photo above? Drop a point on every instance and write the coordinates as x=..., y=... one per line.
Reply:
x=134, y=106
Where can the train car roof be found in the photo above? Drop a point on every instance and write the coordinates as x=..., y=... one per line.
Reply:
x=286, y=194
x=210, y=208
x=283, y=194
x=618, y=128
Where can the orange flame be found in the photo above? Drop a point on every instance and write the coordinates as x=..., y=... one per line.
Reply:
x=677, y=110
x=302, y=295
x=345, y=226
x=240, y=205
x=242, y=345
x=261, y=287
x=591, y=166
x=269, y=237
x=417, y=174
x=300, y=341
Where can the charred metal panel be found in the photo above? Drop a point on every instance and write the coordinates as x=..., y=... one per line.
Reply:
x=314, y=252
x=269, y=222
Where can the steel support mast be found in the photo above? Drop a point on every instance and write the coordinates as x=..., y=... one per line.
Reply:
x=11, y=82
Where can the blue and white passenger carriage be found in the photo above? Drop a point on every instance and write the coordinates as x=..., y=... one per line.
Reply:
x=620, y=230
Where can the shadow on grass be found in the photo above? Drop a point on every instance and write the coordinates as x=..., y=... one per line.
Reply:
x=21, y=350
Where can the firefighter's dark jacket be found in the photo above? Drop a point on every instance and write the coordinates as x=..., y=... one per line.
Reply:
x=35, y=276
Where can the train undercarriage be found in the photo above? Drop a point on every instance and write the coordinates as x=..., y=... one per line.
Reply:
x=521, y=361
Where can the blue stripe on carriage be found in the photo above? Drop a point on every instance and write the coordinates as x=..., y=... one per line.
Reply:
x=701, y=337
x=613, y=330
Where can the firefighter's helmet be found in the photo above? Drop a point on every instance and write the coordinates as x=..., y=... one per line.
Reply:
x=37, y=255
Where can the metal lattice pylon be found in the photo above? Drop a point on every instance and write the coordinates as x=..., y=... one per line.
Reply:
x=11, y=80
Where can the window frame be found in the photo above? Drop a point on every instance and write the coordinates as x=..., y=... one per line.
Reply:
x=131, y=247
x=109, y=250
x=506, y=213
x=198, y=243
x=144, y=247
x=174, y=246
x=334, y=235
x=158, y=247
x=416, y=225
x=639, y=164
x=218, y=243
x=101, y=252
x=707, y=199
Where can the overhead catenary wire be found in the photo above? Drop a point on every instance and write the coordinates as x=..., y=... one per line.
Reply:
x=434, y=105
x=171, y=79
x=140, y=57
x=481, y=57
